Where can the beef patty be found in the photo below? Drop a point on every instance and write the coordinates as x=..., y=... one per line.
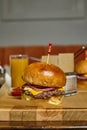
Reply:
x=45, y=94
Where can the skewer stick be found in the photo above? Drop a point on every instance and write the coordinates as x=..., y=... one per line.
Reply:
x=48, y=58
x=49, y=51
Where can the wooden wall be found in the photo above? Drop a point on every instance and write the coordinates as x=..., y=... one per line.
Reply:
x=37, y=51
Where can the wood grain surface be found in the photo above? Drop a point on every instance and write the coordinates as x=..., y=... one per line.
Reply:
x=73, y=108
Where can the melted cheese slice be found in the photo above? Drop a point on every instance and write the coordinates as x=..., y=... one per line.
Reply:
x=36, y=92
x=62, y=89
x=85, y=75
x=33, y=91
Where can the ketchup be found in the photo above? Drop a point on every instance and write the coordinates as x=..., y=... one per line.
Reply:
x=16, y=91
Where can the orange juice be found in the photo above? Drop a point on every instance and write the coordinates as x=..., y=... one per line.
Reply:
x=18, y=64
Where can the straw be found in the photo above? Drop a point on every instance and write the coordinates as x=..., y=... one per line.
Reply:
x=49, y=51
x=85, y=54
x=80, y=51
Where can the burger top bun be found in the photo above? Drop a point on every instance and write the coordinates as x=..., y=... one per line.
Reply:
x=81, y=67
x=43, y=74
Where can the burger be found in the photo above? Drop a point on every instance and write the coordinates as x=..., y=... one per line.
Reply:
x=81, y=70
x=43, y=81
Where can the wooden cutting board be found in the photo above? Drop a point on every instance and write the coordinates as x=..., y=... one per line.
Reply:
x=73, y=108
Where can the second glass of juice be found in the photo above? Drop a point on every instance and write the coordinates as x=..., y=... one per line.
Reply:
x=18, y=63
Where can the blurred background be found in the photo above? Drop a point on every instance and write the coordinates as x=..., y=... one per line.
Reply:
x=36, y=22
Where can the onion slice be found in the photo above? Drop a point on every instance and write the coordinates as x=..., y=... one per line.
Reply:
x=81, y=77
x=35, y=87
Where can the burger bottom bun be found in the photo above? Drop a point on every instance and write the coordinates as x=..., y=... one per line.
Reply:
x=82, y=84
x=53, y=100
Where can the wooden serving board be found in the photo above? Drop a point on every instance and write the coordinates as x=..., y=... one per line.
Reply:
x=73, y=108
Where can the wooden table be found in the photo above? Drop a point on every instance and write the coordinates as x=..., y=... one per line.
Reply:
x=21, y=114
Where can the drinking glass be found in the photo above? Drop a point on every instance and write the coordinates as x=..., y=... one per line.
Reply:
x=18, y=63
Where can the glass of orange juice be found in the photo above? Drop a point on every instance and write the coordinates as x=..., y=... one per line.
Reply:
x=18, y=63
